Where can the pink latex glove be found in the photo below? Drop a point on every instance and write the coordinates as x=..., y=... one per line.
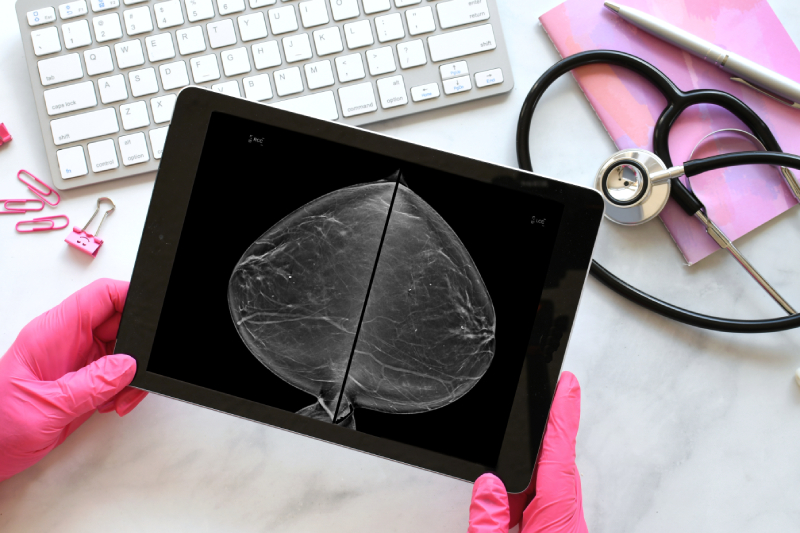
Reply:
x=57, y=373
x=557, y=505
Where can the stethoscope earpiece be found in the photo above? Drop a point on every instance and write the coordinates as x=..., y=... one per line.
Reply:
x=631, y=194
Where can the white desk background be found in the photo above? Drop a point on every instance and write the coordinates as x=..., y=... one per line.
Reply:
x=681, y=429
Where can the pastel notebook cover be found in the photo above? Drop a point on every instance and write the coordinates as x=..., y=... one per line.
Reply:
x=738, y=199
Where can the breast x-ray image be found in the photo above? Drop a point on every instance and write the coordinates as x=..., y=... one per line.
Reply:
x=365, y=298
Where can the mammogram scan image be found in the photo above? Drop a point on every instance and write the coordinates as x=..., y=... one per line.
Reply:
x=365, y=298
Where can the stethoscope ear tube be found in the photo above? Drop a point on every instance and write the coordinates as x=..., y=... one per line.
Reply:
x=678, y=102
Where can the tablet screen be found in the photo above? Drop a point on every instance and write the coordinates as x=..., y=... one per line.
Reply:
x=355, y=289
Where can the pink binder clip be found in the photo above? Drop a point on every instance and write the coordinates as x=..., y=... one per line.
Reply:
x=33, y=222
x=38, y=192
x=5, y=137
x=86, y=242
x=8, y=208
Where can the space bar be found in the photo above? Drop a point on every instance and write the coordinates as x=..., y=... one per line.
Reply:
x=320, y=105
x=84, y=126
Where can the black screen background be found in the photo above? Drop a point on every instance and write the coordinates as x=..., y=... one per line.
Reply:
x=243, y=188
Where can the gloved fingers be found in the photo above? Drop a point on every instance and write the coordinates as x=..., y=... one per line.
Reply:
x=558, y=445
x=128, y=399
x=107, y=331
x=488, y=511
x=558, y=505
x=72, y=426
x=82, y=391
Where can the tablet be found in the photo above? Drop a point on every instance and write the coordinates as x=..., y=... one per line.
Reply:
x=355, y=288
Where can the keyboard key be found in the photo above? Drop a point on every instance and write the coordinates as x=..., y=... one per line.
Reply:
x=287, y=81
x=320, y=105
x=103, y=155
x=461, y=43
x=41, y=16
x=168, y=14
x=235, y=61
x=112, y=89
x=46, y=41
x=376, y=6
x=453, y=70
x=72, y=9
x=261, y=3
x=457, y=85
x=173, y=75
x=76, y=34
x=489, y=77
x=205, y=68
x=132, y=2
x=221, y=33
x=98, y=60
x=358, y=34
x=133, y=149
x=162, y=107
x=70, y=98
x=459, y=12
x=138, y=20
x=107, y=28
x=381, y=61
x=159, y=47
x=404, y=3
x=157, y=138
x=231, y=88
x=266, y=54
x=257, y=88
x=420, y=20
x=425, y=92
x=344, y=9
x=199, y=10
x=134, y=115
x=143, y=82
x=226, y=7
x=84, y=126
x=61, y=68
x=328, y=41
x=313, y=13
x=350, y=67
x=129, y=54
x=252, y=27
x=389, y=28
x=392, y=92
x=357, y=99
x=191, y=40
x=297, y=48
x=411, y=54
x=103, y=5
x=319, y=74
x=72, y=162
x=282, y=20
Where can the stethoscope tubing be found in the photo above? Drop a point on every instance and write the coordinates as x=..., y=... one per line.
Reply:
x=678, y=101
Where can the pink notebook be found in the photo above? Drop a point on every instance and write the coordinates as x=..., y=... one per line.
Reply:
x=738, y=199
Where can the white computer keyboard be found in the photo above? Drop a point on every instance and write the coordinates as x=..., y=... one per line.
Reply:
x=106, y=73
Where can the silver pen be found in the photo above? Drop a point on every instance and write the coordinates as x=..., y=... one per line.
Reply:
x=747, y=72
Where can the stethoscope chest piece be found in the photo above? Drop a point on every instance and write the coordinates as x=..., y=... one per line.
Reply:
x=631, y=195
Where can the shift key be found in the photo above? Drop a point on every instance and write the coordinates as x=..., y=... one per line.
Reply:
x=462, y=43
x=84, y=126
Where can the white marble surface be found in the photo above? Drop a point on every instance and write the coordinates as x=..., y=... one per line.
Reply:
x=682, y=430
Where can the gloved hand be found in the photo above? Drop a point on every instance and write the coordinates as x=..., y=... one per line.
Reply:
x=557, y=506
x=58, y=372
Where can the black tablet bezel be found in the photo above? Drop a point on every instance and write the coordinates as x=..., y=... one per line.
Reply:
x=583, y=210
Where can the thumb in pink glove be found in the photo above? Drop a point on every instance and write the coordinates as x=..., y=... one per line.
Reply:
x=58, y=372
x=557, y=506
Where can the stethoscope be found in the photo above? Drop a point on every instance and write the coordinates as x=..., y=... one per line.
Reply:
x=636, y=184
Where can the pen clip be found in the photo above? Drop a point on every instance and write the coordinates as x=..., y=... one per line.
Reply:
x=780, y=99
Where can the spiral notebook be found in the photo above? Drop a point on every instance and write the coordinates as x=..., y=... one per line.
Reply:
x=738, y=199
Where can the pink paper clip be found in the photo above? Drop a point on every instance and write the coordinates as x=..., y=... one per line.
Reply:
x=86, y=242
x=51, y=227
x=40, y=193
x=8, y=210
